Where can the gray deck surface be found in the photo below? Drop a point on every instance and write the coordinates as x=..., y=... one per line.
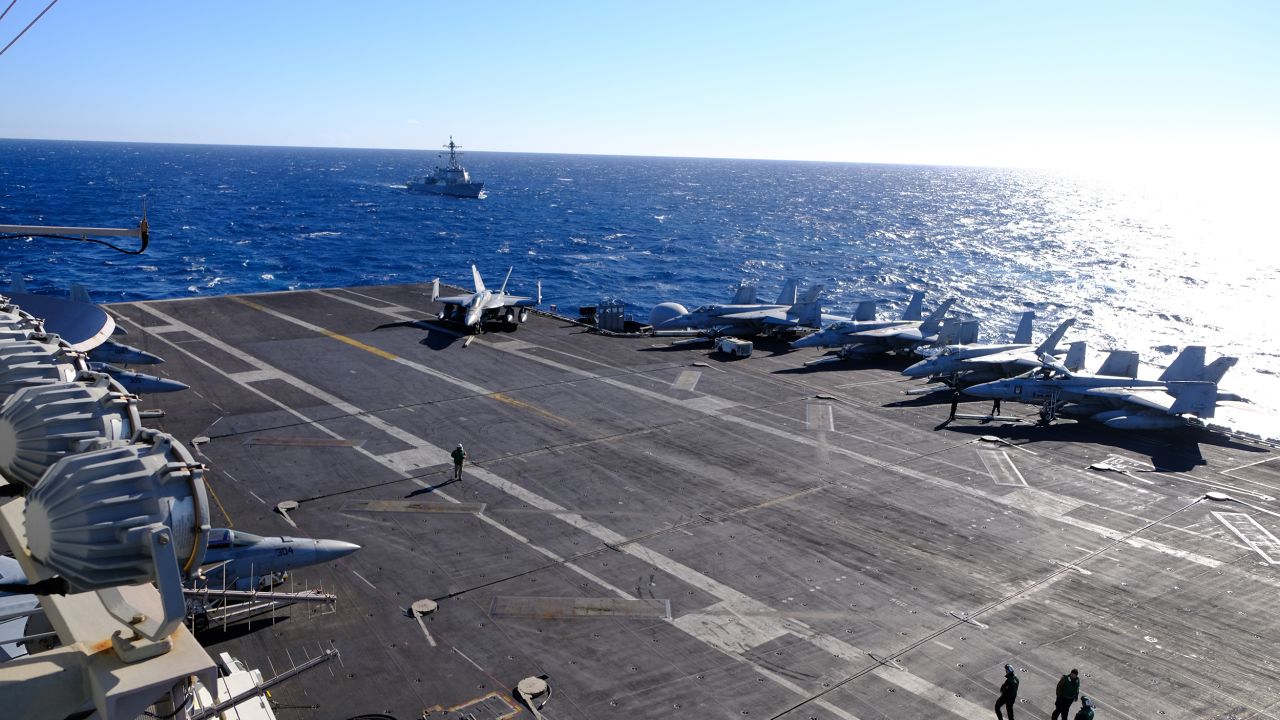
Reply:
x=812, y=552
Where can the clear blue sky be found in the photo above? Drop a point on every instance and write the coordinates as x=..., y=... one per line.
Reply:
x=1024, y=83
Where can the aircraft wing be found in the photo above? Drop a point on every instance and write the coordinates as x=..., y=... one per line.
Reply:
x=765, y=315
x=887, y=333
x=1008, y=358
x=1154, y=398
x=455, y=299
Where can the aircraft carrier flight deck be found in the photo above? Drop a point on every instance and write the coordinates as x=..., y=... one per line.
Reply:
x=661, y=532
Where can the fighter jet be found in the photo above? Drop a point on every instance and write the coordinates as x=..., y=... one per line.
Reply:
x=138, y=383
x=485, y=305
x=120, y=354
x=855, y=340
x=864, y=318
x=963, y=365
x=1186, y=389
x=789, y=312
x=249, y=562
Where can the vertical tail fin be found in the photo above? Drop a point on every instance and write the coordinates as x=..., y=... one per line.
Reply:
x=931, y=324
x=1077, y=354
x=435, y=289
x=1120, y=363
x=539, y=298
x=1214, y=371
x=865, y=312
x=955, y=331
x=79, y=293
x=1189, y=365
x=744, y=294
x=502, y=290
x=475, y=278
x=788, y=294
x=1050, y=344
x=811, y=295
x=807, y=314
x=1023, y=335
x=915, y=308
x=1195, y=398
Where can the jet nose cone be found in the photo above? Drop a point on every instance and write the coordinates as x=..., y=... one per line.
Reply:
x=924, y=368
x=327, y=550
x=813, y=340
x=991, y=391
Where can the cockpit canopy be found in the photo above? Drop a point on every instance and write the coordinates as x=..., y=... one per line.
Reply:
x=224, y=538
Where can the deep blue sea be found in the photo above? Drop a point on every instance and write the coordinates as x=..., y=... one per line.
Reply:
x=1145, y=265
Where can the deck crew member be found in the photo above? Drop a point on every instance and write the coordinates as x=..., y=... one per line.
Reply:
x=1086, y=710
x=458, y=456
x=1008, y=693
x=1068, y=691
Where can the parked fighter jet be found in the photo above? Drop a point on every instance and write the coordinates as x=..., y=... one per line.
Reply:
x=485, y=305
x=855, y=340
x=962, y=365
x=864, y=318
x=743, y=319
x=1186, y=388
x=114, y=352
x=249, y=561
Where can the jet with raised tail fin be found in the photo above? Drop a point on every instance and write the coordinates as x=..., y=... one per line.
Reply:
x=962, y=365
x=1188, y=388
x=791, y=311
x=485, y=305
x=853, y=339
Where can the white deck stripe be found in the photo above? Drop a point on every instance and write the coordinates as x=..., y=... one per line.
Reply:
x=1253, y=535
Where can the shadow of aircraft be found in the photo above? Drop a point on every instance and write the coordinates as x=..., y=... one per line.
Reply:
x=1169, y=450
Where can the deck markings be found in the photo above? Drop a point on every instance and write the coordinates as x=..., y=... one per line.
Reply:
x=1253, y=535
x=1000, y=466
x=686, y=380
x=430, y=640
x=570, y=608
x=740, y=614
x=818, y=416
x=1249, y=465
x=366, y=582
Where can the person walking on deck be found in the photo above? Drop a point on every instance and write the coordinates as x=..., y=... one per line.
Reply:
x=1068, y=691
x=458, y=455
x=1008, y=693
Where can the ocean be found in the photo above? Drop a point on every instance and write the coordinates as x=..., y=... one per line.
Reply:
x=1149, y=265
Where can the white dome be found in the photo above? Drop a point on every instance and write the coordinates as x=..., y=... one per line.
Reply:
x=665, y=312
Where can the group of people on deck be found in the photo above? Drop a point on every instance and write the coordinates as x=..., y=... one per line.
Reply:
x=1068, y=691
